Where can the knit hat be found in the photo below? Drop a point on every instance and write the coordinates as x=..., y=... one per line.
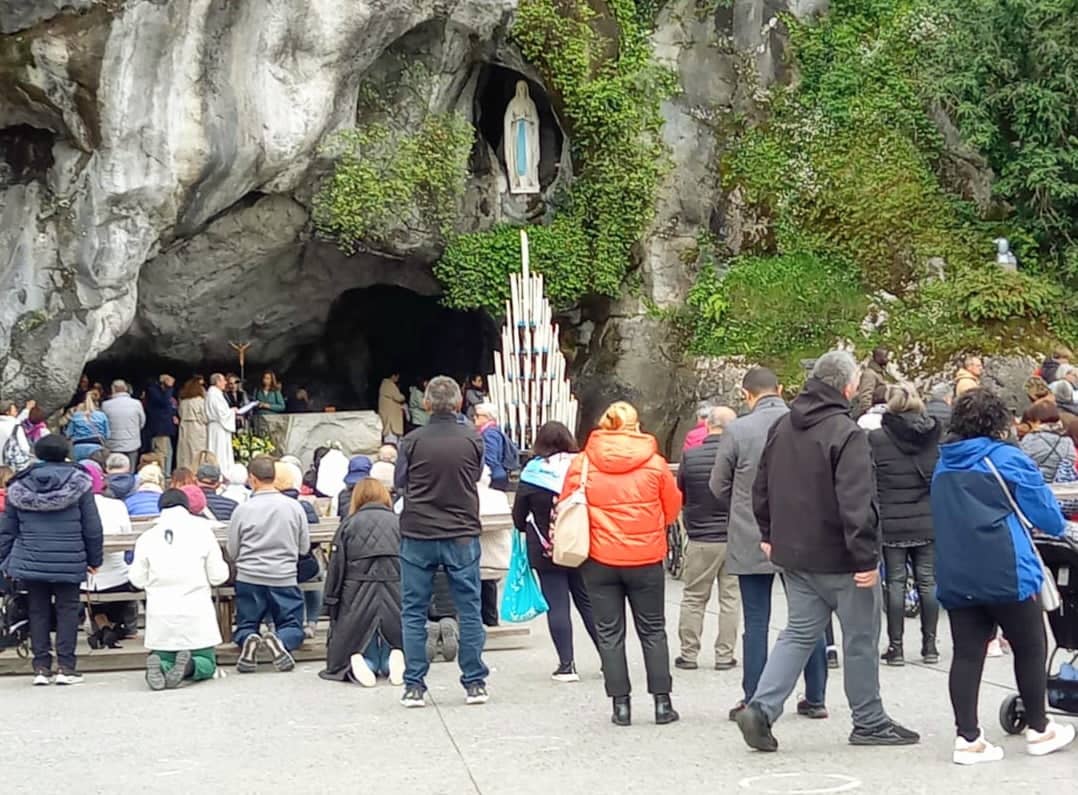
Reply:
x=209, y=473
x=97, y=477
x=196, y=499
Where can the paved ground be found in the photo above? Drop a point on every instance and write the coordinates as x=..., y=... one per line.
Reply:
x=294, y=732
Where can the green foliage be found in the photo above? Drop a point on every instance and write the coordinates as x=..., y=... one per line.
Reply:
x=1007, y=72
x=770, y=309
x=847, y=169
x=608, y=94
x=382, y=177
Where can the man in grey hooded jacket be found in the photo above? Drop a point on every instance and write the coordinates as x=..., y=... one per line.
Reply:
x=740, y=448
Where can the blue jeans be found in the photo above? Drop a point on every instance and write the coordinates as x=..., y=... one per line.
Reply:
x=756, y=607
x=419, y=560
x=377, y=655
x=282, y=605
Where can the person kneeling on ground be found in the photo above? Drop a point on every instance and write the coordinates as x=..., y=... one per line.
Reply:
x=176, y=562
x=265, y=537
x=363, y=592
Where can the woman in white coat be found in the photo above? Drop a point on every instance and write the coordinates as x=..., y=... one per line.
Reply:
x=177, y=561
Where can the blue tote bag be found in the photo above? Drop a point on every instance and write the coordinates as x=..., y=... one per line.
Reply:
x=522, y=599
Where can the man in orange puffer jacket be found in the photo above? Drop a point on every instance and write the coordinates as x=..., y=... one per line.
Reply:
x=632, y=497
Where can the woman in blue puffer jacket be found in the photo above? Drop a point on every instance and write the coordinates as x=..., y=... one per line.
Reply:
x=987, y=571
x=50, y=537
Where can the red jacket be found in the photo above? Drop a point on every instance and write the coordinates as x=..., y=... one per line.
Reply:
x=632, y=497
x=696, y=436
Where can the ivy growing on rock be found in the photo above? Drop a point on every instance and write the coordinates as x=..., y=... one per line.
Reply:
x=382, y=177
x=849, y=172
x=607, y=89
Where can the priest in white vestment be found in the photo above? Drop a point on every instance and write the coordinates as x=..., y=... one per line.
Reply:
x=222, y=419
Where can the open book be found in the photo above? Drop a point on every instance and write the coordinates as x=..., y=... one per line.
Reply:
x=248, y=408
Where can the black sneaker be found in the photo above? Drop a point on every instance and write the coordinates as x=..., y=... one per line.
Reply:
x=832, y=657
x=736, y=710
x=893, y=655
x=725, y=665
x=476, y=694
x=450, y=634
x=889, y=733
x=807, y=709
x=566, y=673
x=248, y=659
x=756, y=729
x=929, y=653
x=434, y=640
x=685, y=665
x=282, y=658
x=155, y=677
x=176, y=674
x=415, y=697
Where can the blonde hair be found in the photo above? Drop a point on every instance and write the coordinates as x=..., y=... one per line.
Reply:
x=369, y=490
x=903, y=398
x=620, y=416
x=286, y=476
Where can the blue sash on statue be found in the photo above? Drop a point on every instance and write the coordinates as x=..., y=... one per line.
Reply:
x=522, y=148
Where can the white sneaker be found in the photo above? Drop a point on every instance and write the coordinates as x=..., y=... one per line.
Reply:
x=42, y=678
x=362, y=672
x=396, y=667
x=1054, y=737
x=994, y=648
x=973, y=753
x=72, y=678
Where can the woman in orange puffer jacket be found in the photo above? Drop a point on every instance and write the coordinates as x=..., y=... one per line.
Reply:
x=632, y=497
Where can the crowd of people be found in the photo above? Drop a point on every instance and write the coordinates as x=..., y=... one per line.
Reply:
x=858, y=475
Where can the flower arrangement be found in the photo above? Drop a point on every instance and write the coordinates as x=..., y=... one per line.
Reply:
x=248, y=445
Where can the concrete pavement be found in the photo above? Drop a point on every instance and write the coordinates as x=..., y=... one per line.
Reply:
x=270, y=732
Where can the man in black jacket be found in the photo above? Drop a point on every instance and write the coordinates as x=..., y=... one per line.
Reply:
x=814, y=499
x=438, y=466
x=705, y=522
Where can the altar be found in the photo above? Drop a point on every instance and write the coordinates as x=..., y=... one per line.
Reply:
x=358, y=432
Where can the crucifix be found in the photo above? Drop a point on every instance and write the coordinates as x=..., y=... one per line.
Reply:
x=241, y=349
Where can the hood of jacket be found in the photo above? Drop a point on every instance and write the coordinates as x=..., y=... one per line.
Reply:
x=547, y=473
x=48, y=487
x=817, y=402
x=911, y=431
x=966, y=453
x=122, y=485
x=618, y=452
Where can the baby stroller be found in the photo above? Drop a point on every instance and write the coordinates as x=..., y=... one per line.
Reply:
x=1061, y=557
x=675, y=549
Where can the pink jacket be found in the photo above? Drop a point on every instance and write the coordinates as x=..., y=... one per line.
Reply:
x=696, y=436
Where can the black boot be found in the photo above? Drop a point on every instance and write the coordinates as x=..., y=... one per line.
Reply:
x=929, y=653
x=893, y=655
x=623, y=713
x=664, y=710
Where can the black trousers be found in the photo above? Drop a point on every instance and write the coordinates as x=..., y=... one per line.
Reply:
x=559, y=584
x=923, y=559
x=41, y=596
x=644, y=587
x=971, y=629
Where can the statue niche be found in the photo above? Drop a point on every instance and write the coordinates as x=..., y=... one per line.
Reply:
x=521, y=142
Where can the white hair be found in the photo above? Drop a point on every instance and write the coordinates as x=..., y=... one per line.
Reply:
x=237, y=475
x=941, y=391
x=443, y=395
x=119, y=385
x=703, y=409
x=487, y=410
x=1062, y=390
x=719, y=417
x=387, y=453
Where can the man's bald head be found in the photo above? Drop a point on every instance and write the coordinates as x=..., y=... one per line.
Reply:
x=719, y=417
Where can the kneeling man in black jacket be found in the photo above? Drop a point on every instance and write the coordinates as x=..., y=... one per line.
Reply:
x=814, y=499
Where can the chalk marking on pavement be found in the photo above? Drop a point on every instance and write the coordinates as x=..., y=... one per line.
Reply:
x=845, y=783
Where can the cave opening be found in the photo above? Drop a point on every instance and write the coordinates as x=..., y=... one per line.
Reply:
x=25, y=153
x=496, y=88
x=369, y=333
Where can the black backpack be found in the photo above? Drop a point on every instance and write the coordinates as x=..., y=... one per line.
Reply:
x=14, y=618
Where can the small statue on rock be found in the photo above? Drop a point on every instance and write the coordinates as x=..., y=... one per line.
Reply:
x=1004, y=256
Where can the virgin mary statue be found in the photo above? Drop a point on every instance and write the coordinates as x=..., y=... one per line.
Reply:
x=521, y=142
